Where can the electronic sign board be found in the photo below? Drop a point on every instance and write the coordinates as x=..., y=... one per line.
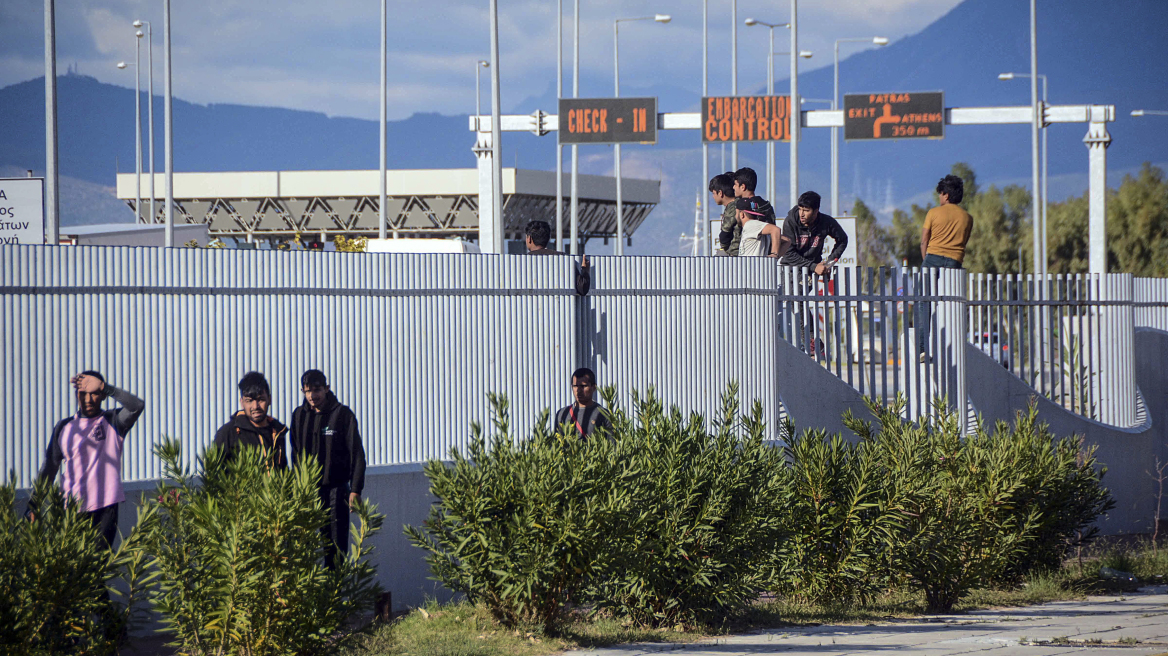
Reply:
x=608, y=120
x=910, y=115
x=746, y=118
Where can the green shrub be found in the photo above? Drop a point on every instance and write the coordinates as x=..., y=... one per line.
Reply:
x=707, y=512
x=1062, y=482
x=841, y=521
x=521, y=526
x=966, y=513
x=659, y=521
x=58, y=581
x=238, y=555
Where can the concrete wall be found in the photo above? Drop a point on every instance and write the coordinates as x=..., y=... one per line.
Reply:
x=1128, y=453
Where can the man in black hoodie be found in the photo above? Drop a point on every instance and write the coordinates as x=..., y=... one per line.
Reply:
x=807, y=228
x=252, y=426
x=327, y=430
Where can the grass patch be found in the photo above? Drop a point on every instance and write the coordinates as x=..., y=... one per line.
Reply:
x=463, y=629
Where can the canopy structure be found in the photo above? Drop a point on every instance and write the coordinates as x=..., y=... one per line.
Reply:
x=421, y=203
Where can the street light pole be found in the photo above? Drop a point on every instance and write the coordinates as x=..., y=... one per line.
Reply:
x=835, y=103
x=559, y=146
x=1149, y=112
x=496, y=136
x=52, y=195
x=382, y=128
x=616, y=151
x=479, y=66
x=575, y=201
x=770, y=147
x=796, y=114
x=705, y=146
x=734, y=71
x=1037, y=199
x=1045, y=160
x=168, y=126
x=150, y=106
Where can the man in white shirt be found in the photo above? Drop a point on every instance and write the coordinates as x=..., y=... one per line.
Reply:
x=759, y=237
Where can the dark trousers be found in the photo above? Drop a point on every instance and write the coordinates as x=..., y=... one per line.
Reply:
x=923, y=312
x=336, y=503
x=106, y=521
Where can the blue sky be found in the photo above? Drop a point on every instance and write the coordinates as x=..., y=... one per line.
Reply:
x=324, y=56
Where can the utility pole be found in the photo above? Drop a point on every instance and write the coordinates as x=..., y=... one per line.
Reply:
x=796, y=110
x=52, y=195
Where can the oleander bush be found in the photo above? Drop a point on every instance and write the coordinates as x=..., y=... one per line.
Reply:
x=238, y=556
x=522, y=526
x=62, y=591
x=666, y=520
x=709, y=506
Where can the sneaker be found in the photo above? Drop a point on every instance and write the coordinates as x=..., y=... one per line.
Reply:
x=925, y=359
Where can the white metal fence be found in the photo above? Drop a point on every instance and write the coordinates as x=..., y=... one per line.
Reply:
x=1151, y=309
x=415, y=342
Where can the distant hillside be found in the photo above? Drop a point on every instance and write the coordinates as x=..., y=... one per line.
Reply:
x=1113, y=53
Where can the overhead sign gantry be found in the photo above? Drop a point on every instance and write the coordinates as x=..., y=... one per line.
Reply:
x=1097, y=140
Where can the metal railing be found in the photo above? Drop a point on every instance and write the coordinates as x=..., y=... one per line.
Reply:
x=1070, y=338
x=860, y=324
x=414, y=342
x=1151, y=308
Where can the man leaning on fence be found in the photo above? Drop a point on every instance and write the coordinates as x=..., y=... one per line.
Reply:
x=807, y=229
x=943, y=240
x=89, y=446
x=324, y=428
x=538, y=234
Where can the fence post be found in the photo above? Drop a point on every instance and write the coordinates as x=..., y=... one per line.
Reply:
x=952, y=333
x=1117, y=358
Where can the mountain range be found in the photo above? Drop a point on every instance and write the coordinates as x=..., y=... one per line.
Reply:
x=1092, y=53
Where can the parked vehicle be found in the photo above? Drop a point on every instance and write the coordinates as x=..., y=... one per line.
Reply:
x=989, y=344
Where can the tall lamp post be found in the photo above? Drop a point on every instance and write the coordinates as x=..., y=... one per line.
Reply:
x=150, y=106
x=796, y=113
x=52, y=196
x=705, y=147
x=168, y=127
x=770, y=147
x=559, y=146
x=880, y=41
x=479, y=66
x=383, y=119
x=734, y=72
x=1045, y=160
x=616, y=151
x=137, y=125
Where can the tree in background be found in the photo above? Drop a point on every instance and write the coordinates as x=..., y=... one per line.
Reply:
x=874, y=242
x=1137, y=224
x=1001, y=241
x=1066, y=236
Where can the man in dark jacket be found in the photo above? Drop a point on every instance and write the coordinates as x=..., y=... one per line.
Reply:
x=252, y=426
x=807, y=228
x=327, y=430
x=538, y=234
x=90, y=444
x=585, y=415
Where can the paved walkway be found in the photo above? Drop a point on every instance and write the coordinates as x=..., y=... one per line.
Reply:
x=1131, y=625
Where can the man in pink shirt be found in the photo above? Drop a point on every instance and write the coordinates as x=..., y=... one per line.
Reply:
x=86, y=449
